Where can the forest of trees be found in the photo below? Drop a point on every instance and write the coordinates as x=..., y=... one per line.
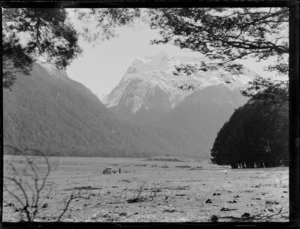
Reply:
x=257, y=135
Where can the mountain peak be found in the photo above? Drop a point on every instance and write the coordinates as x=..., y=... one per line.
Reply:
x=147, y=76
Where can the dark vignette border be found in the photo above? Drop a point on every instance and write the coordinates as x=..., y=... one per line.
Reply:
x=294, y=114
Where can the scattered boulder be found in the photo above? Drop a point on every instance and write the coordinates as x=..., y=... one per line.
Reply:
x=246, y=215
x=135, y=200
x=208, y=201
x=9, y=205
x=237, y=196
x=123, y=214
x=269, y=202
x=214, y=218
x=109, y=170
x=45, y=206
x=216, y=194
x=180, y=195
x=227, y=209
x=169, y=210
x=231, y=201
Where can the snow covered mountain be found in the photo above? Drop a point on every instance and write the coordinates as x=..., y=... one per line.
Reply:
x=149, y=89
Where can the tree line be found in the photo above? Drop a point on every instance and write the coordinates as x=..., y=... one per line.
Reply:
x=256, y=135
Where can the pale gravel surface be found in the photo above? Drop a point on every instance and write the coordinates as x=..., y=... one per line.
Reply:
x=182, y=190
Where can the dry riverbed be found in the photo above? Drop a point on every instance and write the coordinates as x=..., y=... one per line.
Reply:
x=176, y=190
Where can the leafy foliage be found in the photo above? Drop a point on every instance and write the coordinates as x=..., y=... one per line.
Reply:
x=31, y=34
x=256, y=133
x=100, y=23
x=226, y=35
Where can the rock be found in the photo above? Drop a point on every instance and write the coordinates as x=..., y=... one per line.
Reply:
x=237, y=196
x=180, y=195
x=208, y=201
x=271, y=202
x=123, y=214
x=285, y=191
x=108, y=170
x=231, y=201
x=246, y=215
x=134, y=200
x=45, y=206
x=9, y=205
x=227, y=209
x=169, y=210
x=216, y=194
x=214, y=218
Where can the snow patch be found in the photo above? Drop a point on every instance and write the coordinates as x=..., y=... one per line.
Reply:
x=158, y=71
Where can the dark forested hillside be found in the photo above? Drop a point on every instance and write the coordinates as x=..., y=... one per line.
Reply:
x=49, y=111
x=256, y=135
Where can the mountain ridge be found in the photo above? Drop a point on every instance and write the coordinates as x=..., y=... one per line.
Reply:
x=149, y=94
x=49, y=111
x=158, y=71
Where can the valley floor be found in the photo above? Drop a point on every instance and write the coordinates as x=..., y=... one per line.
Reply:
x=159, y=191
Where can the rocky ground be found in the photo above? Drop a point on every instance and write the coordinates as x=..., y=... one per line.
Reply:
x=156, y=190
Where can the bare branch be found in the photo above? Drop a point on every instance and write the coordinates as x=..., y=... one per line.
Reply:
x=65, y=209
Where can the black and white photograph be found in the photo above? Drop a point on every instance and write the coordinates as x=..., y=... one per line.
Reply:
x=146, y=114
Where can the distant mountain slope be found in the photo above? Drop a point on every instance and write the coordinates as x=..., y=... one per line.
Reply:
x=196, y=121
x=150, y=89
x=49, y=111
x=189, y=120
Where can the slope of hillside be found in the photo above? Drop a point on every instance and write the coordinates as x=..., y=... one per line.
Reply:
x=193, y=125
x=49, y=111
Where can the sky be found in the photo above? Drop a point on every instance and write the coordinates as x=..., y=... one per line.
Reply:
x=101, y=66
